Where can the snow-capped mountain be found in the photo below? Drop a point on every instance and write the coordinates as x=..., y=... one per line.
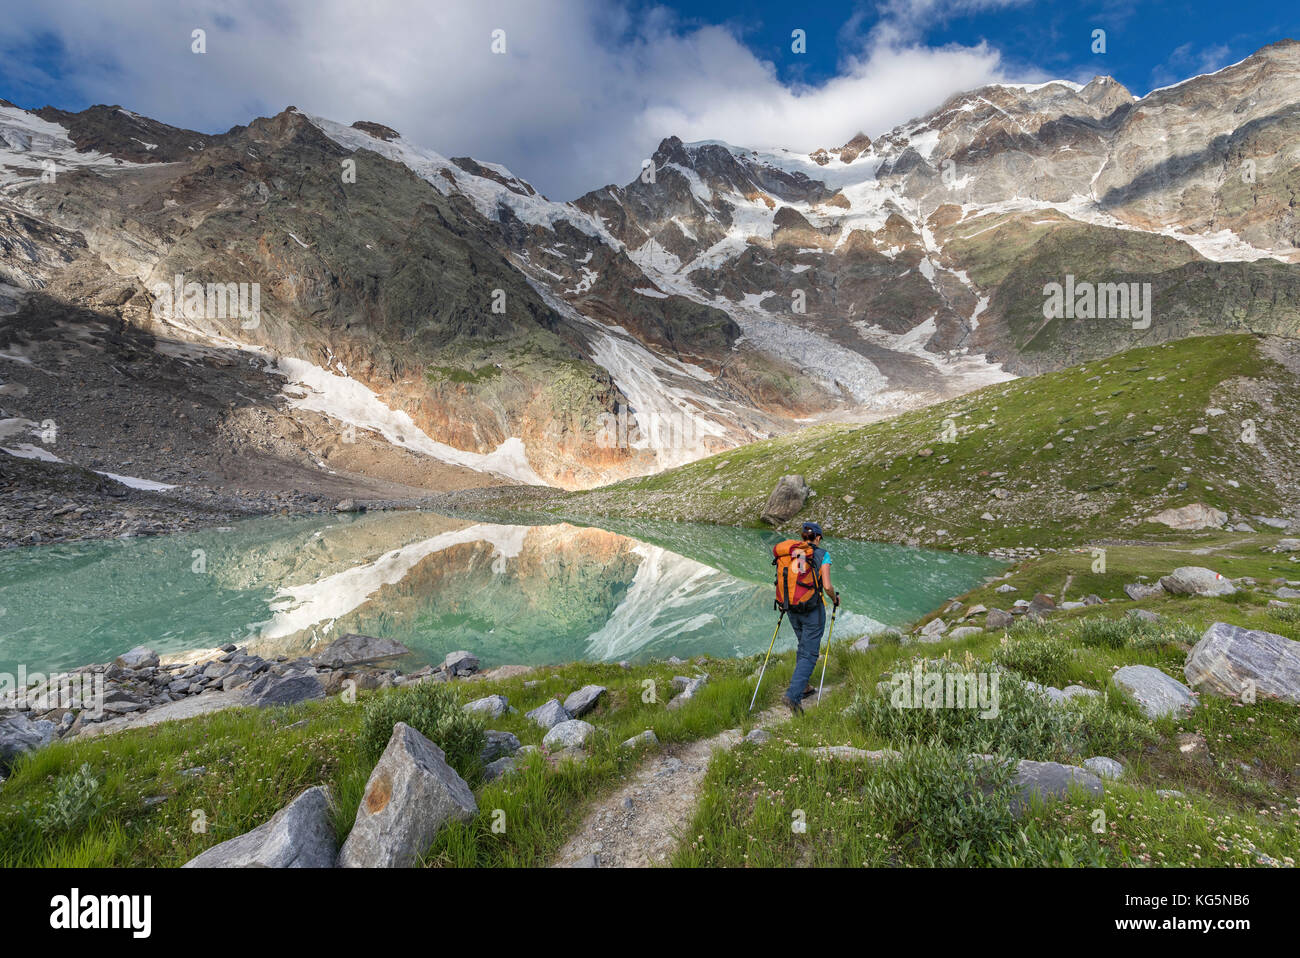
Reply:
x=445, y=312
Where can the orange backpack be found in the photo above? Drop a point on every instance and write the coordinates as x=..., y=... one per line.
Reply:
x=798, y=585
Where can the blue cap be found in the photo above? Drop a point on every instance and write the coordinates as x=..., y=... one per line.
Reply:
x=812, y=527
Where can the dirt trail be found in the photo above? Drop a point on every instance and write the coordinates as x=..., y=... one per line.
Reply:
x=641, y=823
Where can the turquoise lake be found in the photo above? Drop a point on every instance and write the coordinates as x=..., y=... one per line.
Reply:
x=512, y=594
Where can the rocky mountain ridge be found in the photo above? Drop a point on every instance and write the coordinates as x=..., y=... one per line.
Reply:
x=443, y=309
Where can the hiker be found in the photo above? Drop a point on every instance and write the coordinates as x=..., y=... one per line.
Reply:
x=800, y=592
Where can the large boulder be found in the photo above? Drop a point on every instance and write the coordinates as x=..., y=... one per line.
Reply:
x=1227, y=657
x=584, y=700
x=1156, y=694
x=19, y=734
x=1196, y=580
x=355, y=649
x=288, y=689
x=549, y=714
x=1047, y=781
x=410, y=796
x=1188, y=518
x=297, y=836
x=571, y=734
x=786, y=500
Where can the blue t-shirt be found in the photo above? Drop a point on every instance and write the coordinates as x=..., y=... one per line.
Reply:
x=821, y=557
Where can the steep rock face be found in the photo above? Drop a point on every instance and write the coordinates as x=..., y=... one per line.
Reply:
x=444, y=309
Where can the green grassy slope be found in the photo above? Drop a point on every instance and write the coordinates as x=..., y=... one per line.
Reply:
x=1063, y=458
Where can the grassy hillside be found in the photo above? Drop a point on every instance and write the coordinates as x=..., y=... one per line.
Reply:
x=1064, y=458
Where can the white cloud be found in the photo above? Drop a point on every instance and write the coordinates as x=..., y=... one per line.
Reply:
x=584, y=91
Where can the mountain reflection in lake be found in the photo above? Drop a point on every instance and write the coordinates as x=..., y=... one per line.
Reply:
x=509, y=593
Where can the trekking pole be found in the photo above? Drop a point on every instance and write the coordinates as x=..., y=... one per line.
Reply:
x=826, y=661
x=759, y=683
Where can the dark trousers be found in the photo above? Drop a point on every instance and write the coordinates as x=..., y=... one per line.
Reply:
x=808, y=627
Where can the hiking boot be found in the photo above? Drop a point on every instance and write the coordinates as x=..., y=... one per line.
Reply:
x=795, y=707
x=809, y=691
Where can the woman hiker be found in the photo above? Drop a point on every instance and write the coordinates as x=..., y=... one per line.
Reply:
x=809, y=626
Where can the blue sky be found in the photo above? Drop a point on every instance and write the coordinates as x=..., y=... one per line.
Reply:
x=589, y=87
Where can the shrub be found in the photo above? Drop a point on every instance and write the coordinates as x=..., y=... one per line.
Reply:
x=1035, y=655
x=1130, y=632
x=76, y=798
x=433, y=711
x=1025, y=724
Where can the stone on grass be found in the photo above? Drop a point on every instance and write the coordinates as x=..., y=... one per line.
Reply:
x=584, y=700
x=1196, y=580
x=299, y=835
x=492, y=706
x=1137, y=591
x=571, y=734
x=1228, y=657
x=411, y=794
x=965, y=632
x=498, y=744
x=786, y=500
x=758, y=736
x=1050, y=780
x=997, y=619
x=1192, y=517
x=1104, y=767
x=648, y=737
x=1156, y=694
x=689, y=692
x=549, y=714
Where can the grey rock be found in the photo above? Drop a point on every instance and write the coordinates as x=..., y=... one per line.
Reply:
x=549, y=714
x=997, y=619
x=297, y=836
x=965, y=632
x=502, y=766
x=1104, y=767
x=356, y=649
x=1137, y=591
x=1227, y=657
x=1146, y=615
x=648, y=737
x=689, y=692
x=758, y=736
x=1191, y=517
x=569, y=734
x=1196, y=580
x=498, y=744
x=1047, y=781
x=584, y=700
x=1286, y=592
x=272, y=689
x=460, y=663
x=786, y=500
x=1006, y=587
x=587, y=861
x=20, y=734
x=931, y=631
x=411, y=794
x=863, y=644
x=138, y=658
x=493, y=706
x=1156, y=693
